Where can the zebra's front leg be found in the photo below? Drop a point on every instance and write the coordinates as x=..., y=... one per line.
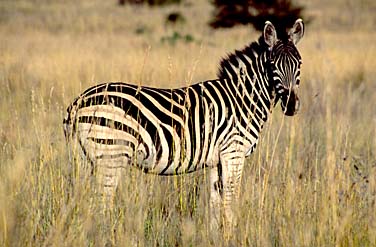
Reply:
x=215, y=198
x=232, y=163
x=224, y=189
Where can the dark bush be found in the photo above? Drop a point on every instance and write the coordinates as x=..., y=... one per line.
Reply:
x=282, y=13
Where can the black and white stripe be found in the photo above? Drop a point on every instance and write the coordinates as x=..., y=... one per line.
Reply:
x=214, y=123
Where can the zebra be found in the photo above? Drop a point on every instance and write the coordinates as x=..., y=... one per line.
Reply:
x=213, y=124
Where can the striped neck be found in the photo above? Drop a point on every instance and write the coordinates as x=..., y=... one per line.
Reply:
x=247, y=74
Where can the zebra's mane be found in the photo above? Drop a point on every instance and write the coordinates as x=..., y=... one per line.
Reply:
x=257, y=47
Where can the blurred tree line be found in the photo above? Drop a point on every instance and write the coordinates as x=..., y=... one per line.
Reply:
x=229, y=13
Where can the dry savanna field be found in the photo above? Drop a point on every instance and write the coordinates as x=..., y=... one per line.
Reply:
x=311, y=181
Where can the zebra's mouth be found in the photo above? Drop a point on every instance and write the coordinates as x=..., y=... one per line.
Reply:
x=290, y=103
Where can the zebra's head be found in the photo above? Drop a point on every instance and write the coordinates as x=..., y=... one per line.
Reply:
x=285, y=64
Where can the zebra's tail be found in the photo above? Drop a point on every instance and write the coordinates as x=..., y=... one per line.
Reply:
x=68, y=122
x=75, y=149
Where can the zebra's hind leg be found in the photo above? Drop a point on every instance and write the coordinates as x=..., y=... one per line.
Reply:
x=108, y=172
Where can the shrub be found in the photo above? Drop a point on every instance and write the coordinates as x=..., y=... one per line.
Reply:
x=282, y=13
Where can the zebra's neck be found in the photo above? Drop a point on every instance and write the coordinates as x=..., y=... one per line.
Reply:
x=247, y=76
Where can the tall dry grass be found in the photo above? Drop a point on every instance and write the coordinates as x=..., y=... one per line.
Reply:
x=311, y=181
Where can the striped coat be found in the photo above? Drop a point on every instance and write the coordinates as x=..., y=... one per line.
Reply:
x=213, y=124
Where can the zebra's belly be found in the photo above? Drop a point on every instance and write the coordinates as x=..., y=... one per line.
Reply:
x=175, y=164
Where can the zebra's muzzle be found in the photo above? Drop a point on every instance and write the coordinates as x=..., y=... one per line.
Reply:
x=290, y=103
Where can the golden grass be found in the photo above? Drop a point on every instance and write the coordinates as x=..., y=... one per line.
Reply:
x=312, y=185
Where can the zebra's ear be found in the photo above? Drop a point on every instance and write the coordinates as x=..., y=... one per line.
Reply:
x=297, y=31
x=270, y=34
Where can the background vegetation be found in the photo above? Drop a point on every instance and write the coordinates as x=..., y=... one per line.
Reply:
x=311, y=182
x=282, y=13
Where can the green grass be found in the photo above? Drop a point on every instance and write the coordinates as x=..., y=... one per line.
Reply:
x=311, y=184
